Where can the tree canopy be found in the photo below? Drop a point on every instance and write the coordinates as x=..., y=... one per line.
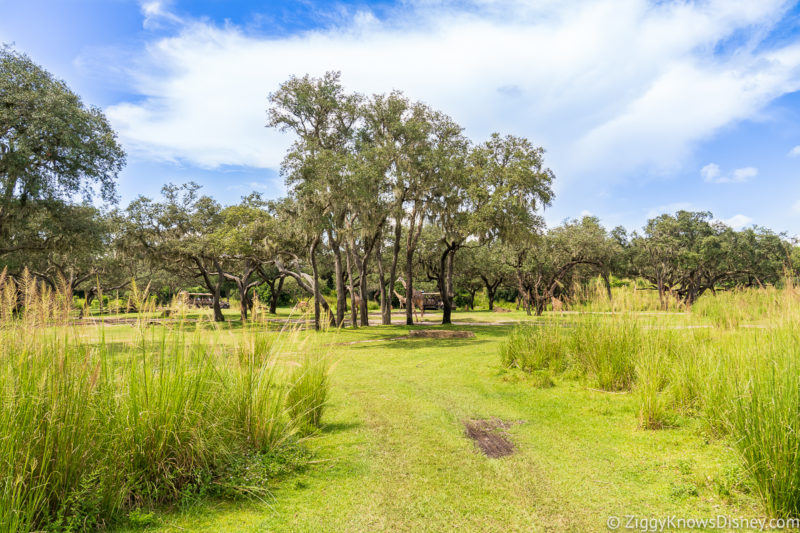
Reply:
x=388, y=200
x=52, y=148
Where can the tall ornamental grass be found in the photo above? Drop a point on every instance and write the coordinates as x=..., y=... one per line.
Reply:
x=601, y=348
x=753, y=395
x=730, y=309
x=593, y=296
x=742, y=382
x=91, y=429
x=606, y=349
x=536, y=347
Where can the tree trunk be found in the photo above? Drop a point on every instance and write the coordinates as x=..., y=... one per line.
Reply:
x=338, y=271
x=218, y=316
x=274, y=295
x=315, y=280
x=445, y=270
x=242, y=286
x=607, y=282
x=491, y=290
x=398, y=233
x=540, y=305
x=363, y=289
x=386, y=303
x=214, y=288
x=409, y=286
x=353, y=297
x=523, y=294
x=414, y=230
x=89, y=299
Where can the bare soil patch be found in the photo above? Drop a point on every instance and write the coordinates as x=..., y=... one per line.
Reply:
x=350, y=343
x=490, y=436
x=440, y=334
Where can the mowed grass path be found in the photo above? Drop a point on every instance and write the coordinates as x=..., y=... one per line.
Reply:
x=394, y=457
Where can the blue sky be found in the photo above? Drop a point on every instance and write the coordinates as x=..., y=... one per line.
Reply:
x=643, y=106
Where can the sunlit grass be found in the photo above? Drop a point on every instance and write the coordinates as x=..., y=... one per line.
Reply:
x=742, y=382
x=91, y=429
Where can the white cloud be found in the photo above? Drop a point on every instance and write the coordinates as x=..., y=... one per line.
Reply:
x=712, y=174
x=606, y=86
x=737, y=221
x=155, y=12
x=744, y=174
x=794, y=152
x=586, y=213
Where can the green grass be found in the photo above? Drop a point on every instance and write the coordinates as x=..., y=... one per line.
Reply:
x=756, y=400
x=92, y=429
x=647, y=413
x=534, y=348
x=392, y=454
x=741, y=383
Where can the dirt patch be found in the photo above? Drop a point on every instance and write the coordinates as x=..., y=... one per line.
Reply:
x=501, y=310
x=350, y=343
x=440, y=334
x=490, y=436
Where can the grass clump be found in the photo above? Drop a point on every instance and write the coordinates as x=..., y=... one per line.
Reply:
x=91, y=431
x=657, y=387
x=308, y=391
x=761, y=411
x=534, y=348
x=606, y=349
x=743, y=383
x=734, y=308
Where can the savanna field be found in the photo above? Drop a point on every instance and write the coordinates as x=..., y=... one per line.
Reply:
x=138, y=422
x=248, y=284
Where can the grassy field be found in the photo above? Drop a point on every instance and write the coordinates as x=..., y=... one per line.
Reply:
x=647, y=413
x=393, y=454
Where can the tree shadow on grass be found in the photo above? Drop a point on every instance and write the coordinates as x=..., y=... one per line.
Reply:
x=337, y=427
x=423, y=344
x=483, y=335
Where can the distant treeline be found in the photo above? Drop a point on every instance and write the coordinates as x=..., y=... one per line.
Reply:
x=385, y=196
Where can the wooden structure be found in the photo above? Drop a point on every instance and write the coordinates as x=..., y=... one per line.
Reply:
x=204, y=299
x=432, y=301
